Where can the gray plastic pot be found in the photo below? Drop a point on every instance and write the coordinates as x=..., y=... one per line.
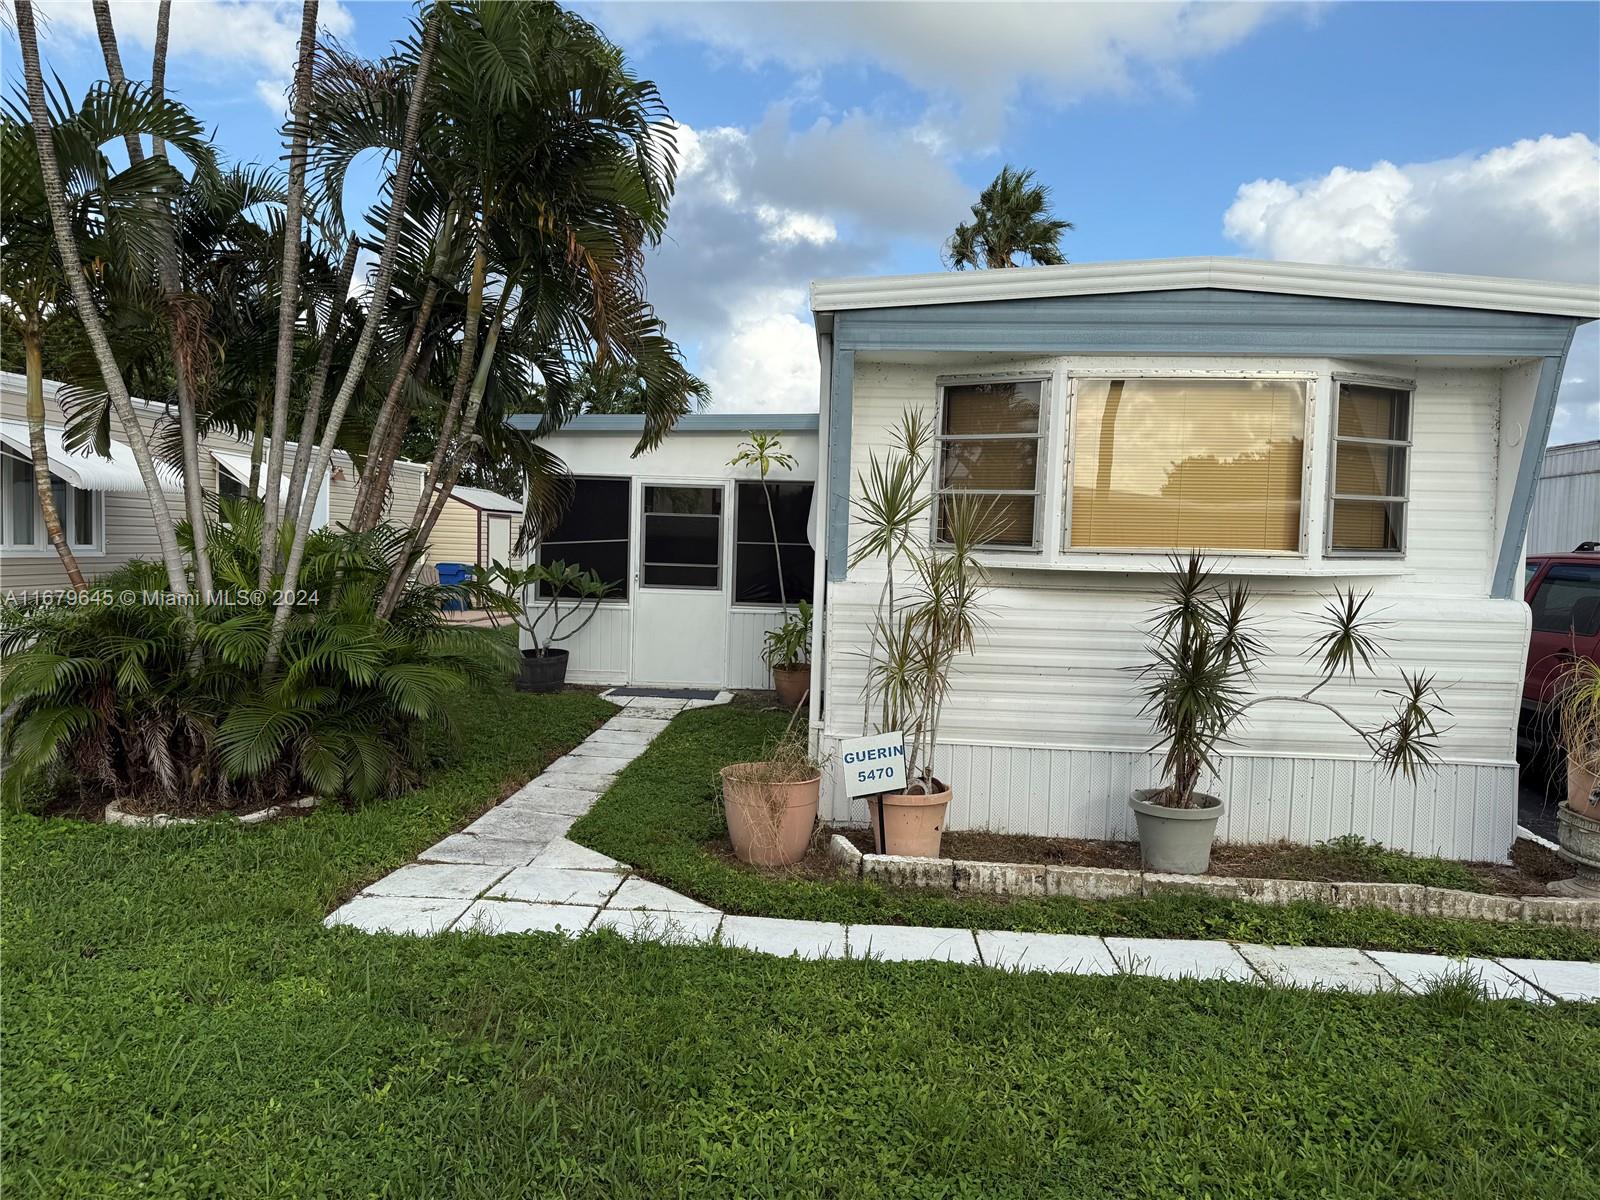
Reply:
x=1175, y=840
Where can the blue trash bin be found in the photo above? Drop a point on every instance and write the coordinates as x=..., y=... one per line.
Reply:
x=451, y=575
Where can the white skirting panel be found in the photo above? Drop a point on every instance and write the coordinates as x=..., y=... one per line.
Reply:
x=1463, y=811
x=602, y=650
x=747, y=631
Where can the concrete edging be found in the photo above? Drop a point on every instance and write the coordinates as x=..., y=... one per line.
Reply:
x=1105, y=883
x=117, y=815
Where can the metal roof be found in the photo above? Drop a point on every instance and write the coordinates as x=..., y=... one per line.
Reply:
x=484, y=498
x=1236, y=274
x=791, y=422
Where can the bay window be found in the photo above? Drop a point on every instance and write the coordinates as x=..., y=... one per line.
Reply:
x=1179, y=464
x=1371, y=452
x=991, y=444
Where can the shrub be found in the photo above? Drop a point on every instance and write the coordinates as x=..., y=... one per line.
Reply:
x=127, y=693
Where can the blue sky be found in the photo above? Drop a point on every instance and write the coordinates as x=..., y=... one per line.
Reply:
x=848, y=138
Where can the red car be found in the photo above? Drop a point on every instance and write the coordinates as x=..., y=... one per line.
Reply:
x=1563, y=590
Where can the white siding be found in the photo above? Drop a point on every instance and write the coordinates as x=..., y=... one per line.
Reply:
x=1050, y=691
x=600, y=652
x=747, y=631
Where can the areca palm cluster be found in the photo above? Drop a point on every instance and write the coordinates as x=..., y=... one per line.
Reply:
x=169, y=708
x=545, y=179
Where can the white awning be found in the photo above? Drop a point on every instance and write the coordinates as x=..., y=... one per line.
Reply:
x=119, y=473
x=238, y=465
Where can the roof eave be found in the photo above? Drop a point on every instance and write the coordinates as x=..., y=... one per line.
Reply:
x=1236, y=274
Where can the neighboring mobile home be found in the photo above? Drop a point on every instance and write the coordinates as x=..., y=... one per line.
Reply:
x=107, y=514
x=685, y=541
x=1309, y=427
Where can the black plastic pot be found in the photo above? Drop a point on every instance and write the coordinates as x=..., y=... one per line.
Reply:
x=542, y=671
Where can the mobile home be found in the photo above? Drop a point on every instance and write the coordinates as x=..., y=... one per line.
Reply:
x=1309, y=428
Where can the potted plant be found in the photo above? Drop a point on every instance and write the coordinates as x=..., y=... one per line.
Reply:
x=788, y=653
x=771, y=805
x=571, y=596
x=788, y=648
x=922, y=623
x=1204, y=650
x=1578, y=820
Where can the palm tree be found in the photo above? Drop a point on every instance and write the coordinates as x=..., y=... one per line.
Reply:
x=76, y=271
x=399, y=184
x=1011, y=217
x=288, y=286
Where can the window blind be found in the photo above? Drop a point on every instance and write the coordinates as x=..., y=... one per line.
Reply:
x=1211, y=464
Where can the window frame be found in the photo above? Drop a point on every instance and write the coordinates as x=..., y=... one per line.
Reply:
x=618, y=601
x=40, y=546
x=1041, y=480
x=718, y=486
x=1310, y=379
x=733, y=561
x=1337, y=382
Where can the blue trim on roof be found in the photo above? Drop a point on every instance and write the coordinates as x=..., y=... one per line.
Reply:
x=841, y=422
x=1204, y=321
x=1507, y=581
x=693, y=423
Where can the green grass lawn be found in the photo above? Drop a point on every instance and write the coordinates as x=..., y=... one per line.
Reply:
x=663, y=808
x=177, y=1023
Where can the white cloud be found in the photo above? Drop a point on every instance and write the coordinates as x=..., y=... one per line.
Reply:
x=767, y=362
x=982, y=54
x=255, y=36
x=1529, y=210
x=759, y=213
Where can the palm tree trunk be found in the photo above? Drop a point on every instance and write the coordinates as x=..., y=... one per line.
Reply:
x=34, y=356
x=436, y=489
x=93, y=325
x=171, y=293
x=375, y=479
x=319, y=384
x=158, y=67
x=369, y=330
x=258, y=442
x=288, y=289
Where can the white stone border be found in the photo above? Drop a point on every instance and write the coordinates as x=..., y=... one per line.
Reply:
x=1107, y=883
x=115, y=814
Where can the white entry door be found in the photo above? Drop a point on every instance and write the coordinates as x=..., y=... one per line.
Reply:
x=499, y=547
x=680, y=603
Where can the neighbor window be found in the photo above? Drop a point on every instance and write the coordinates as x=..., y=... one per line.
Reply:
x=755, y=564
x=1371, y=452
x=228, y=487
x=77, y=510
x=991, y=447
x=1178, y=464
x=593, y=532
x=22, y=519
x=682, y=537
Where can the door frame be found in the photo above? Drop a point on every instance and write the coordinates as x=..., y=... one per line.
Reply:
x=639, y=590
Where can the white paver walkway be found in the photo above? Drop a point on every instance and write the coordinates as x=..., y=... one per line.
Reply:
x=513, y=870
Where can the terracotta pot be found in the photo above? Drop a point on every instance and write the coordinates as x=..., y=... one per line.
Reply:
x=769, y=823
x=909, y=823
x=1581, y=796
x=793, y=682
x=1175, y=840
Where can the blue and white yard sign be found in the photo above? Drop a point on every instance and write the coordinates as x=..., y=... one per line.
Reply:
x=874, y=764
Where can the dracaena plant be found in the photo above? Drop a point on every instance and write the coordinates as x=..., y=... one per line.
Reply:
x=569, y=597
x=1204, y=649
x=929, y=606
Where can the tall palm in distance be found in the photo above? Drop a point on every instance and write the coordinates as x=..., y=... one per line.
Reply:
x=1012, y=217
